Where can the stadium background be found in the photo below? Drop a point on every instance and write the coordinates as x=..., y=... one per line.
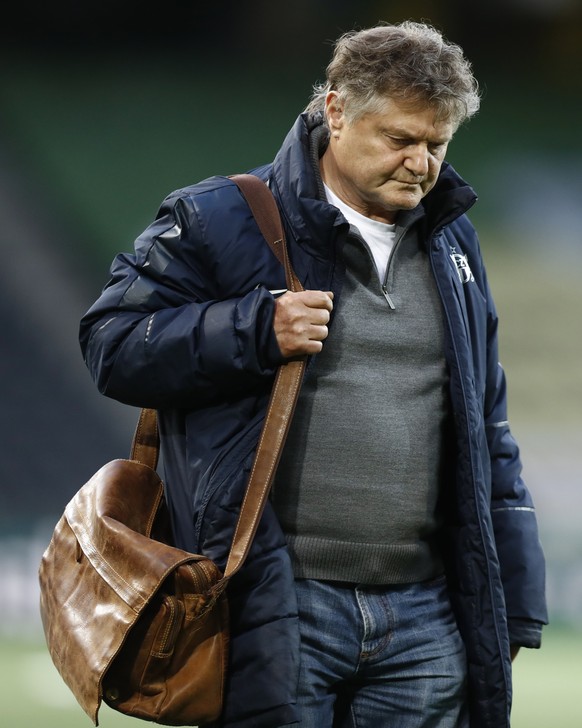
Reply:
x=106, y=107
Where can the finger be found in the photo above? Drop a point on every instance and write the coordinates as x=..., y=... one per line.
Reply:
x=327, y=300
x=317, y=299
x=320, y=316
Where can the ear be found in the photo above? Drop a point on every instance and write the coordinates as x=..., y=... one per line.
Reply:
x=334, y=111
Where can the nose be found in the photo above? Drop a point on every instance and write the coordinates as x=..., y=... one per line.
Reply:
x=416, y=160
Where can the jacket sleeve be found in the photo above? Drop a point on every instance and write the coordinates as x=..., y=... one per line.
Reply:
x=164, y=332
x=512, y=510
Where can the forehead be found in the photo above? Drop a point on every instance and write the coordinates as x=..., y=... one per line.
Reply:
x=412, y=120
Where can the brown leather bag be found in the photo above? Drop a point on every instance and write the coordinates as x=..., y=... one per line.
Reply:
x=129, y=618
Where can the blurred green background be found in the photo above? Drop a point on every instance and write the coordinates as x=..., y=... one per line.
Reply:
x=107, y=107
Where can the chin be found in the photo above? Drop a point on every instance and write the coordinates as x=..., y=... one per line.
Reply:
x=408, y=203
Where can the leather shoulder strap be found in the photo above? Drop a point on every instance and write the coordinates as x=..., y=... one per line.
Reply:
x=145, y=446
x=262, y=203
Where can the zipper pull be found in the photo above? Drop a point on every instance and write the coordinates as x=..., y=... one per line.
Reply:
x=387, y=297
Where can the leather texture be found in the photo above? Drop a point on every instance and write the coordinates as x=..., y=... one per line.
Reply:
x=128, y=618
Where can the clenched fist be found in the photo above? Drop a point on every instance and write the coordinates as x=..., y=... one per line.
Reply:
x=301, y=320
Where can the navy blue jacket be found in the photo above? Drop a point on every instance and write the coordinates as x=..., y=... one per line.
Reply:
x=185, y=326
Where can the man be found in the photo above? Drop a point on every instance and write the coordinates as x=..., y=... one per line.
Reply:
x=397, y=568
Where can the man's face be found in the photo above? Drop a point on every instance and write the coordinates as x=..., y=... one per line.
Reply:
x=384, y=162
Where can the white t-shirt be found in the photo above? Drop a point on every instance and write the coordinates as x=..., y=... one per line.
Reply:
x=379, y=236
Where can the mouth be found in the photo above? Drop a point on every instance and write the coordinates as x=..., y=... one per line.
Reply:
x=410, y=186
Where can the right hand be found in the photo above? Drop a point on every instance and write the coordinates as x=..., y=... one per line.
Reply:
x=301, y=320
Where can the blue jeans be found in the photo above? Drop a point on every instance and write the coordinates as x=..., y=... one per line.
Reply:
x=380, y=657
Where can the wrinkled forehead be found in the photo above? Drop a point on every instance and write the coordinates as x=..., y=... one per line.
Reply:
x=411, y=118
x=406, y=103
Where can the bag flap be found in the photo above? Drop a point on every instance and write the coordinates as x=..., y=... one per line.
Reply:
x=112, y=517
x=100, y=563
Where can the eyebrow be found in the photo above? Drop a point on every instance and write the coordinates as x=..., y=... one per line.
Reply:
x=404, y=134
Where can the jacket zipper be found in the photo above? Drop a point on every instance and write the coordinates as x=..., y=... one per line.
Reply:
x=468, y=435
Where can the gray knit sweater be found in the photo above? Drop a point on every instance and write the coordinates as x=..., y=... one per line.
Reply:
x=358, y=484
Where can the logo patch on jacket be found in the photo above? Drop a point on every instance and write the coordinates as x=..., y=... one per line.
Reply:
x=462, y=265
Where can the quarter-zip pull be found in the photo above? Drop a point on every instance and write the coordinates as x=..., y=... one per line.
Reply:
x=384, y=284
x=387, y=297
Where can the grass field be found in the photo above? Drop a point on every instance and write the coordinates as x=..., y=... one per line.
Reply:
x=548, y=687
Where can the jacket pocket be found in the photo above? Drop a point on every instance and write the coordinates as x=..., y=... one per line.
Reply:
x=226, y=487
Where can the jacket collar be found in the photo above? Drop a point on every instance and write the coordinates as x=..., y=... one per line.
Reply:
x=314, y=221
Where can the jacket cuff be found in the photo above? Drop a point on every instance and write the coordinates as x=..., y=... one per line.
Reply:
x=270, y=355
x=525, y=633
x=273, y=358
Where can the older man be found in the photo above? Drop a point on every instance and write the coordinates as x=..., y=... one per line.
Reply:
x=397, y=568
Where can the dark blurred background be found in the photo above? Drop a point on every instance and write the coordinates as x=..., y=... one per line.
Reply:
x=107, y=107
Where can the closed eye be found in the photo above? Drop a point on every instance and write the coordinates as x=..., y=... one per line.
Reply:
x=400, y=142
x=437, y=148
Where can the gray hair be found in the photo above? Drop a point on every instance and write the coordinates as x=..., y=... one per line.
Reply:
x=410, y=63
